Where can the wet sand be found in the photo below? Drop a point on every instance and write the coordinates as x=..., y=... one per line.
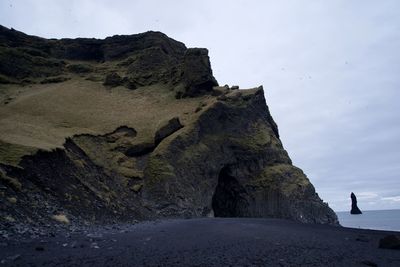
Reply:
x=203, y=242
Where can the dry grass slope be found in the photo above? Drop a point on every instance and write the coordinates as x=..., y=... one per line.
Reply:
x=41, y=116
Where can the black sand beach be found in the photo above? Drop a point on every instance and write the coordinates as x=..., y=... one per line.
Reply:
x=203, y=242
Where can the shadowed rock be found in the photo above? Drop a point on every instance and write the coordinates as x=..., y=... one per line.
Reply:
x=113, y=80
x=197, y=73
x=390, y=242
x=354, y=207
x=140, y=149
x=230, y=197
x=80, y=68
x=167, y=129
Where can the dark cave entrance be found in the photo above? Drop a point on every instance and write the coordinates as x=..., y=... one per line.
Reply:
x=229, y=199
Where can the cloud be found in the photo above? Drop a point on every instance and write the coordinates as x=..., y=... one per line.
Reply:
x=366, y=195
x=393, y=199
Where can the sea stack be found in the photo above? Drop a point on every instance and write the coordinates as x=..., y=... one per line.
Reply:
x=354, y=207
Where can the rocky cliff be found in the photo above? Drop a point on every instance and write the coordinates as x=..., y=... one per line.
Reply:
x=134, y=128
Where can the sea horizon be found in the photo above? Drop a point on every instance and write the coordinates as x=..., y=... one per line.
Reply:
x=387, y=219
x=362, y=210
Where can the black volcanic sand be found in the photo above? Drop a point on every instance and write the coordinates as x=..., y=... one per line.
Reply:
x=204, y=242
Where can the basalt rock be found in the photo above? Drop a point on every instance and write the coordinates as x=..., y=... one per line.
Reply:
x=197, y=74
x=146, y=59
x=166, y=129
x=177, y=146
x=390, y=242
x=354, y=207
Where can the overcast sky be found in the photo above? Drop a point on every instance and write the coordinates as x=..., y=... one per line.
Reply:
x=330, y=70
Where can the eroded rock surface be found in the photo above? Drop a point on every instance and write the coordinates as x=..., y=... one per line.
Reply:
x=209, y=151
x=166, y=129
x=130, y=60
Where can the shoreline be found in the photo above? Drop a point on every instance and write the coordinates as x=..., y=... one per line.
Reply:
x=204, y=242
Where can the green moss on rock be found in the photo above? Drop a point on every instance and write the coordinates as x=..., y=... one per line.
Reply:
x=19, y=64
x=157, y=170
x=284, y=177
x=136, y=188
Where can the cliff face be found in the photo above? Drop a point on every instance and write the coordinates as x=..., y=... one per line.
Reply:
x=133, y=128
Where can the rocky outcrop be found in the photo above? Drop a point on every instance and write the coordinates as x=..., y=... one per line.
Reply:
x=144, y=59
x=214, y=152
x=354, y=207
x=390, y=242
x=197, y=74
x=234, y=165
x=113, y=80
x=166, y=129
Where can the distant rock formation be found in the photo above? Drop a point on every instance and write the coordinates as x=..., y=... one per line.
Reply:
x=354, y=207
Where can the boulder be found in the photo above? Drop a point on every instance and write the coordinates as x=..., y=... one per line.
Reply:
x=113, y=80
x=167, y=128
x=389, y=242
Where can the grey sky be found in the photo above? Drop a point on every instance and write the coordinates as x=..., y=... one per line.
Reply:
x=330, y=70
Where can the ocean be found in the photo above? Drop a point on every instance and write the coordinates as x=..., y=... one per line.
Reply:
x=371, y=219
